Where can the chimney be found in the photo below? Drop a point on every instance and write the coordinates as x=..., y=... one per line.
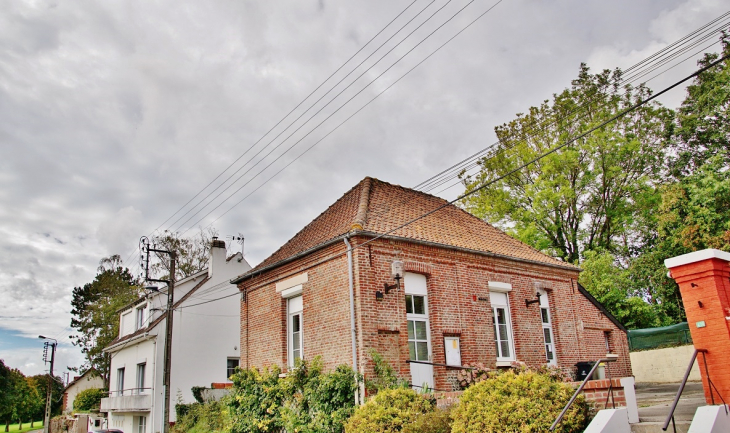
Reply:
x=217, y=257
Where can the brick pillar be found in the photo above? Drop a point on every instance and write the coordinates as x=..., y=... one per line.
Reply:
x=704, y=281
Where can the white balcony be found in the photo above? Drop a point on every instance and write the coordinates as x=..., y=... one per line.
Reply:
x=139, y=401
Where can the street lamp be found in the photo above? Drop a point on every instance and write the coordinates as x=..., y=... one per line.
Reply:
x=47, y=419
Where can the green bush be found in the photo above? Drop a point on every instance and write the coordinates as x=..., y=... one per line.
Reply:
x=385, y=376
x=89, y=399
x=305, y=401
x=526, y=401
x=256, y=400
x=391, y=410
x=438, y=421
x=201, y=417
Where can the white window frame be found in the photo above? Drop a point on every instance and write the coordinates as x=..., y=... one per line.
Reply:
x=139, y=318
x=120, y=381
x=141, y=426
x=141, y=371
x=420, y=318
x=230, y=373
x=292, y=310
x=501, y=290
x=545, y=306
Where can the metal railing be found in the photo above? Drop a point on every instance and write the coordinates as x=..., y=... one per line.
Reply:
x=670, y=416
x=129, y=391
x=583, y=384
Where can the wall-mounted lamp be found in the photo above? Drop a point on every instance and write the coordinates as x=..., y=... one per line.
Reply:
x=528, y=302
x=396, y=271
x=152, y=288
x=378, y=295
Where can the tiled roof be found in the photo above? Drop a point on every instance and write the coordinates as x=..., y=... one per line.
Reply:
x=378, y=207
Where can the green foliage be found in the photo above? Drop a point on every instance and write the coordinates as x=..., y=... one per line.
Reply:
x=438, y=421
x=391, y=410
x=703, y=120
x=198, y=393
x=526, y=401
x=613, y=287
x=94, y=311
x=201, y=417
x=23, y=398
x=318, y=402
x=584, y=196
x=89, y=399
x=306, y=400
x=256, y=400
x=384, y=376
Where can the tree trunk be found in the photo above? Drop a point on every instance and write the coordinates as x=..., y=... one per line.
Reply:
x=20, y=424
x=7, y=425
x=31, y=422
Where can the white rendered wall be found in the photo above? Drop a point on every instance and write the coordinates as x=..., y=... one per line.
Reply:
x=664, y=365
x=86, y=382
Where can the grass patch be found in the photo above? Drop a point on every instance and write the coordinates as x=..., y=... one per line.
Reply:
x=26, y=427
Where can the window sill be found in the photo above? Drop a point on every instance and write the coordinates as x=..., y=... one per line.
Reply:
x=504, y=363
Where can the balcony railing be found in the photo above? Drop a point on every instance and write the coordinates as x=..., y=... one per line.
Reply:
x=128, y=400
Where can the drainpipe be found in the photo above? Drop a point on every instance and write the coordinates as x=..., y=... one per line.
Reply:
x=352, y=316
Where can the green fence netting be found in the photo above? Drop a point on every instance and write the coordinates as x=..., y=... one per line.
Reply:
x=651, y=338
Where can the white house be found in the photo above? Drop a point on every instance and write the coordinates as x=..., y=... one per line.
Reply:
x=205, y=342
x=90, y=379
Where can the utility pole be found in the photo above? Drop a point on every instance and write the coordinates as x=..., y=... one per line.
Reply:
x=145, y=247
x=47, y=418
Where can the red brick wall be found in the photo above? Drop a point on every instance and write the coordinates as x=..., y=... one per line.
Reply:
x=458, y=305
x=708, y=282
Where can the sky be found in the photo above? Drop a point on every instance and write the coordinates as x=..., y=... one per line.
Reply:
x=113, y=115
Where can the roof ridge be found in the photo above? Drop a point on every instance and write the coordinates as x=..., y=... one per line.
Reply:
x=363, y=206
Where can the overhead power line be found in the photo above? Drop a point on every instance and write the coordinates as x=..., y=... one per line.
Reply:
x=517, y=169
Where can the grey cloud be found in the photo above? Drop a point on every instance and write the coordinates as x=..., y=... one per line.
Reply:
x=116, y=113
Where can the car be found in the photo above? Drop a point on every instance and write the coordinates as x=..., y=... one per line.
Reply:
x=110, y=430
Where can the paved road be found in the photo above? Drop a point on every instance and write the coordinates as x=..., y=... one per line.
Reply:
x=655, y=399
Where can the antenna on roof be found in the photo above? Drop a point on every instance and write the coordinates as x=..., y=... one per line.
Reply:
x=240, y=239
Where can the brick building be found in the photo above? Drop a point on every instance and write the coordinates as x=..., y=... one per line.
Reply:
x=462, y=299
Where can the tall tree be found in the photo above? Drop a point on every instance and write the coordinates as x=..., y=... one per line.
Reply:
x=584, y=196
x=192, y=253
x=703, y=120
x=94, y=312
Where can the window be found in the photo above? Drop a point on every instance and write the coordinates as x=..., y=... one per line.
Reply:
x=417, y=328
x=141, y=426
x=140, y=377
x=502, y=326
x=607, y=338
x=294, y=330
x=231, y=367
x=139, y=318
x=547, y=329
x=120, y=381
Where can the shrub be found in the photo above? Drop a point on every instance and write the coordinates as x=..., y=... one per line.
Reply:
x=318, y=402
x=525, y=401
x=389, y=411
x=89, y=399
x=256, y=400
x=305, y=401
x=201, y=417
x=384, y=377
x=438, y=421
